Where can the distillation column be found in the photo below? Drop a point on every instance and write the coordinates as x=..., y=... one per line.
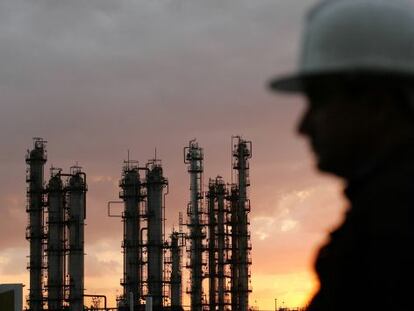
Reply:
x=36, y=160
x=221, y=242
x=131, y=195
x=176, y=278
x=235, y=280
x=55, y=245
x=212, y=262
x=76, y=221
x=241, y=153
x=155, y=184
x=194, y=157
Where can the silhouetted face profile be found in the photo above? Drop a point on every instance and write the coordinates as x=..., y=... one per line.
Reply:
x=352, y=124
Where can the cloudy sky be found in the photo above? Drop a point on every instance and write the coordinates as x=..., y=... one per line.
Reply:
x=98, y=77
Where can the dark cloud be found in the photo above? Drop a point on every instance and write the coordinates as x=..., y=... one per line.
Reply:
x=98, y=77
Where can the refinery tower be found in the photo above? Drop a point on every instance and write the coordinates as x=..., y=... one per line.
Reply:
x=215, y=236
x=57, y=212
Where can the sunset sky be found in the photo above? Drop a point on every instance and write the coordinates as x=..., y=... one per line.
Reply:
x=98, y=77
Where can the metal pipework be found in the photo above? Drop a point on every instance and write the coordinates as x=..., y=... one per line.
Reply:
x=193, y=155
x=242, y=151
x=76, y=221
x=221, y=243
x=131, y=195
x=155, y=184
x=235, y=250
x=212, y=261
x=36, y=159
x=100, y=296
x=143, y=260
x=55, y=245
x=176, y=275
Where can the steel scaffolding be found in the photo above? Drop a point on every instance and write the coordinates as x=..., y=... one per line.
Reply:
x=193, y=156
x=76, y=223
x=235, y=249
x=219, y=239
x=144, y=280
x=217, y=244
x=36, y=159
x=56, y=242
x=222, y=243
x=155, y=183
x=131, y=196
x=241, y=245
x=56, y=234
x=212, y=250
x=176, y=244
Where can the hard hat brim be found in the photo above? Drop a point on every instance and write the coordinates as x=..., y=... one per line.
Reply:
x=296, y=83
x=289, y=83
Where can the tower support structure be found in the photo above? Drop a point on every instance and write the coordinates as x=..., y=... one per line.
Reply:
x=76, y=222
x=155, y=183
x=56, y=242
x=193, y=156
x=131, y=196
x=212, y=249
x=176, y=273
x=56, y=234
x=235, y=249
x=36, y=159
x=222, y=248
x=242, y=152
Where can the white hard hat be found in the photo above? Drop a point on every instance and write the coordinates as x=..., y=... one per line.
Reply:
x=355, y=37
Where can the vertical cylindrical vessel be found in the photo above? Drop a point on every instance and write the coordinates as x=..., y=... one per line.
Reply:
x=176, y=278
x=155, y=184
x=55, y=245
x=241, y=153
x=212, y=263
x=194, y=157
x=76, y=222
x=36, y=159
x=131, y=195
x=235, y=249
x=221, y=246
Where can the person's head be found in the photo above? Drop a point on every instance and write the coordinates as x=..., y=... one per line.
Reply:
x=354, y=121
x=356, y=70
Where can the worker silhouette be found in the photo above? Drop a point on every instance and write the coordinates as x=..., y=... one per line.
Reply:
x=357, y=73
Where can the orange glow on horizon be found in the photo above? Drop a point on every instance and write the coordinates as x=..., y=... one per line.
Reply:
x=291, y=290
